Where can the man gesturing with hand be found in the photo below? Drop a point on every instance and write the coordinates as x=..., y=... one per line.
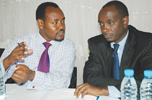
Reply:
x=43, y=59
x=22, y=72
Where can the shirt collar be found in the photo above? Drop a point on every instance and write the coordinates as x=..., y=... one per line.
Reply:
x=122, y=42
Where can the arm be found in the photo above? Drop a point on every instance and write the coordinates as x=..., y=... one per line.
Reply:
x=17, y=54
x=11, y=54
x=97, y=77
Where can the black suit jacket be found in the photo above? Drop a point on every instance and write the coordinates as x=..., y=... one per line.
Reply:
x=137, y=55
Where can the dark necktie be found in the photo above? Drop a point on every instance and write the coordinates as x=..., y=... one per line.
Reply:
x=116, y=62
x=44, y=63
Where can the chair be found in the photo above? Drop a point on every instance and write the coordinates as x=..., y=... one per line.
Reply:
x=1, y=51
x=73, y=78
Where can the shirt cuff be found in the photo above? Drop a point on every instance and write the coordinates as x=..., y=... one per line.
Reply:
x=113, y=92
x=37, y=81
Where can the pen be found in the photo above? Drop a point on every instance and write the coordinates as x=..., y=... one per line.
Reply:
x=16, y=62
x=23, y=50
x=97, y=97
x=20, y=46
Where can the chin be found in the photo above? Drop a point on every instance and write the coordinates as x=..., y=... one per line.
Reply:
x=59, y=39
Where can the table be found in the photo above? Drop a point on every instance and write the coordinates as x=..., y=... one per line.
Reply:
x=15, y=92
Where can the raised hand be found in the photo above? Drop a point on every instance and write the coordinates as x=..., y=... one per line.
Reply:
x=17, y=54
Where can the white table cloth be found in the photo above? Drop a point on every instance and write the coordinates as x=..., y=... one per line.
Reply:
x=15, y=92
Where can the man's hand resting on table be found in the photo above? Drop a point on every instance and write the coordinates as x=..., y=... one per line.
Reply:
x=22, y=73
x=88, y=89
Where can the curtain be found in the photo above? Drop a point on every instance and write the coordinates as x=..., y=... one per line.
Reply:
x=18, y=18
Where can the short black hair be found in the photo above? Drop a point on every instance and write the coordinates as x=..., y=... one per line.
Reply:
x=40, y=12
x=123, y=11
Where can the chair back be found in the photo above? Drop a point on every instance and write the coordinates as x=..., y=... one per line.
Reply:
x=1, y=51
x=73, y=78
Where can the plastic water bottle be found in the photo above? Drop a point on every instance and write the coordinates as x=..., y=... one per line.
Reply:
x=128, y=86
x=2, y=86
x=146, y=86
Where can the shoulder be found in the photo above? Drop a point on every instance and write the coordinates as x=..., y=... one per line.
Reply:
x=25, y=38
x=98, y=40
x=29, y=36
x=142, y=39
x=140, y=35
x=67, y=43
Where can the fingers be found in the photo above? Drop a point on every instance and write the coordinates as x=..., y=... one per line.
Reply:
x=85, y=92
x=21, y=67
x=16, y=79
x=21, y=50
x=88, y=89
x=18, y=53
x=17, y=76
x=28, y=51
x=22, y=46
x=21, y=73
x=78, y=88
x=20, y=58
x=82, y=89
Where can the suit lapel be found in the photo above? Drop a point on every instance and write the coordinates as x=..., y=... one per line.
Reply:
x=127, y=53
x=108, y=57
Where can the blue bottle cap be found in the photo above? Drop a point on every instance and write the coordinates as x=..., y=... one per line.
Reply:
x=129, y=72
x=148, y=73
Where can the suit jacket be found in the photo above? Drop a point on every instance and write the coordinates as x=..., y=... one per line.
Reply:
x=137, y=55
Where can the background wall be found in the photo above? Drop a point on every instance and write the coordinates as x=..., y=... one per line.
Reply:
x=17, y=18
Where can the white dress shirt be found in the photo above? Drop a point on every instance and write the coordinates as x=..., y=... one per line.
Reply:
x=61, y=54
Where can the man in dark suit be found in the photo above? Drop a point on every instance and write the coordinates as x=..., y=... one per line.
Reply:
x=135, y=52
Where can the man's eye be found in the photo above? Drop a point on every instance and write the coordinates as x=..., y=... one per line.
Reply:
x=54, y=22
x=111, y=23
x=63, y=21
x=101, y=24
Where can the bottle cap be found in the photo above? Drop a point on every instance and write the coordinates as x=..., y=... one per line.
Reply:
x=148, y=73
x=129, y=72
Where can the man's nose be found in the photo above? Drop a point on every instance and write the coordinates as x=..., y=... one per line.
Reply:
x=61, y=25
x=105, y=30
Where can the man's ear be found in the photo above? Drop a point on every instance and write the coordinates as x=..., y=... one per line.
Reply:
x=125, y=21
x=40, y=23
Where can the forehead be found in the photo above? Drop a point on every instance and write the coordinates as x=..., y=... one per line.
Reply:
x=108, y=13
x=54, y=13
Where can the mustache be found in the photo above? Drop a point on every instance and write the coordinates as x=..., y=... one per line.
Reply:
x=60, y=31
x=111, y=34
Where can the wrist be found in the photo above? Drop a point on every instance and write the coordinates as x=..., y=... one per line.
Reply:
x=104, y=91
x=6, y=63
x=32, y=75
